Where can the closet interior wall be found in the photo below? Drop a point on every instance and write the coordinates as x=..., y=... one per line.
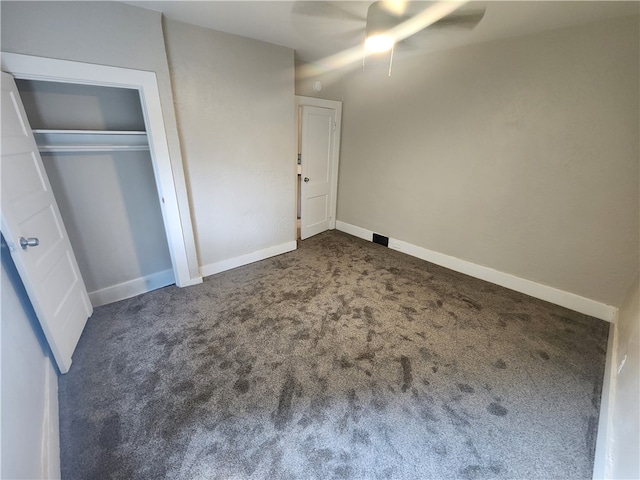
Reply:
x=107, y=193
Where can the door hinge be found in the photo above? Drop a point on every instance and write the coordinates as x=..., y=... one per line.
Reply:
x=334, y=126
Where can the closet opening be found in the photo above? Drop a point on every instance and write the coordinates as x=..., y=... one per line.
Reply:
x=168, y=169
x=94, y=146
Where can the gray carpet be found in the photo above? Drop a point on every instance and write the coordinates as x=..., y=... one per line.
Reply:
x=343, y=359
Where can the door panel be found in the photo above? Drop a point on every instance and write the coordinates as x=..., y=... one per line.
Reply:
x=317, y=209
x=316, y=157
x=49, y=271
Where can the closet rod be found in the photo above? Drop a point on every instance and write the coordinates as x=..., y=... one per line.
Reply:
x=92, y=148
x=90, y=132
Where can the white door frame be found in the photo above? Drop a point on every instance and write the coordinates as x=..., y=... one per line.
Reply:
x=337, y=106
x=175, y=206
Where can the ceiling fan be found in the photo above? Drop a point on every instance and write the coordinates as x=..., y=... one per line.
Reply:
x=387, y=24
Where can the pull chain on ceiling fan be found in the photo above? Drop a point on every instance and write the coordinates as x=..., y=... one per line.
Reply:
x=387, y=24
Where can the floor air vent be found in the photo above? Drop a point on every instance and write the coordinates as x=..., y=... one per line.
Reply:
x=381, y=239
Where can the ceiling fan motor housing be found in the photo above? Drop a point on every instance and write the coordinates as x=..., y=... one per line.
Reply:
x=379, y=19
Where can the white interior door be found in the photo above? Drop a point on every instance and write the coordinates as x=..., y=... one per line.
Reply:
x=48, y=267
x=317, y=145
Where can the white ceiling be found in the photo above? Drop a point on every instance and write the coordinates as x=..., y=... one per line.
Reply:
x=316, y=29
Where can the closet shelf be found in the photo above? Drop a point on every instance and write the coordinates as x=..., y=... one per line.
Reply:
x=90, y=140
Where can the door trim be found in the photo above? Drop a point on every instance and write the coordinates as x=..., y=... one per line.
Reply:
x=301, y=101
x=174, y=202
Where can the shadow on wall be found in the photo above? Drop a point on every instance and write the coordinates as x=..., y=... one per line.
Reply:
x=14, y=277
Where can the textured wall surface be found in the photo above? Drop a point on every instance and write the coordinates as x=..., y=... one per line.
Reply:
x=519, y=155
x=235, y=108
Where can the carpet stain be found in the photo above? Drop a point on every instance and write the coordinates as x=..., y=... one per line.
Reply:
x=150, y=383
x=455, y=418
x=241, y=385
x=284, y=413
x=473, y=472
x=544, y=355
x=591, y=435
x=182, y=388
x=370, y=335
x=360, y=436
x=133, y=309
x=244, y=370
x=345, y=363
x=407, y=377
x=368, y=316
x=110, y=432
x=379, y=403
x=366, y=356
x=427, y=414
x=426, y=354
x=225, y=365
x=497, y=409
x=500, y=363
x=440, y=449
x=471, y=303
x=465, y=388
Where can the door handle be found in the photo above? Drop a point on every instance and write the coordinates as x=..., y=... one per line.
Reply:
x=306, y=179
x=29, y=242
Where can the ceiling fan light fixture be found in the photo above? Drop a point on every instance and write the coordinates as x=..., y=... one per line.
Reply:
x=380, y=42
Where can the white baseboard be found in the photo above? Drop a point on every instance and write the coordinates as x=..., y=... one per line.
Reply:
x=355, y=231
x=50, y=425
x=217, y=267
x=602, y=458
x=132, y=288
x=192, y=281
x=537, y=290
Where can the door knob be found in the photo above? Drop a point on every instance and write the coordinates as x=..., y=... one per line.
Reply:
x=306, y=179
x=29, y=242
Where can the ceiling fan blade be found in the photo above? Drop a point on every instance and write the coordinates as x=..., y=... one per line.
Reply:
x=337, y=24
x=445, y=30
x=330, y=10
x=464, y=20
x=350, y=37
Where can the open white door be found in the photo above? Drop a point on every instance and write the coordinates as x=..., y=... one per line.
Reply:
x=317, y=151
x=33, y=229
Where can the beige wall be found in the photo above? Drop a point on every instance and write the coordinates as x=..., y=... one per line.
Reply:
x=234, y=99
x=520, y=155
x=103, y=33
